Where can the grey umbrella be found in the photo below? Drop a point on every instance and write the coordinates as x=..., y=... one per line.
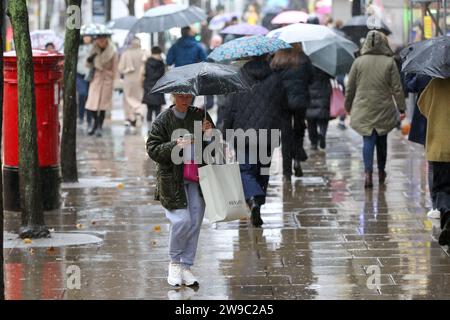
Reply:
x=124, y=23
x=168, y=16
x=333, y=54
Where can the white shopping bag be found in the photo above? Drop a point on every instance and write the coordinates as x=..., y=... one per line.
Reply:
x=223, y=192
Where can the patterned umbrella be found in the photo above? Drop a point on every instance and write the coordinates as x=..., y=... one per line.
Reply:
x=245, y=29
x=168, y=16
x=95, y=30
x=247, y=47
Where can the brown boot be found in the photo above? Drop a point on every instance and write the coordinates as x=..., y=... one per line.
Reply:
x=382, y=177
x=368, y=183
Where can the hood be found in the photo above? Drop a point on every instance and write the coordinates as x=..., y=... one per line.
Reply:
x=187, y=42
x=376, y=43
x=257, y=69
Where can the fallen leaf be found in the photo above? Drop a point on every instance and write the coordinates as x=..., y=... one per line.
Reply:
x=120, y=186
x=79, y=226
x=31, y=251
x=157, y=228
x=94, y=222
x=154, y=243
x=27, y=241
x=50, y=250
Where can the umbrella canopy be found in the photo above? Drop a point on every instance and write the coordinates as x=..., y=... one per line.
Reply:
x=290, y=17
x=124, y=23
x=245, y=29
x=429, y=57
x=218, y=22
x=95, y=30
x=247, y=47
x=202, y=78
x=334, y=54
x=358, y=27
x=39, y=38
x=300, y=32
x=168, y=16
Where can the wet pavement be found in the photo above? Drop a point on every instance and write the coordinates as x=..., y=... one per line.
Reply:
x=323, y=235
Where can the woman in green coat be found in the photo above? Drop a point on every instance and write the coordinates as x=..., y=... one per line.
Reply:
x=374, y=97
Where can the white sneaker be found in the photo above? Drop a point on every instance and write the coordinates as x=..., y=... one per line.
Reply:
x=188, y=277
x=175, y=275
x=434, y=214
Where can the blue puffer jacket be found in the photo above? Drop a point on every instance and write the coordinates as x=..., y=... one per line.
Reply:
x=185, y=51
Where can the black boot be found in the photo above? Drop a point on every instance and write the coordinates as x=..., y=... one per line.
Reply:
x=256, y=213
x=298, y=172
x=95, y=125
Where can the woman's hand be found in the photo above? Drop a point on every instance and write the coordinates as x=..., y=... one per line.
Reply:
x=206, y=125
x=183, y=142
x=402, y=116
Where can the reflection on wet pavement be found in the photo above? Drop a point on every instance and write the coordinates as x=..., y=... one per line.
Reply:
x=322, y=237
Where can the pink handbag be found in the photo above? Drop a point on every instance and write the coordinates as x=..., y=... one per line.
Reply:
x=337, y=105
x=190, y=171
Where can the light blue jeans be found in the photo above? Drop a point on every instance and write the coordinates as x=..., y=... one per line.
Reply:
x=185, y=226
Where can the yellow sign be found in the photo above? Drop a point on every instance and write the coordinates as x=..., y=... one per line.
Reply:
x=427, y=27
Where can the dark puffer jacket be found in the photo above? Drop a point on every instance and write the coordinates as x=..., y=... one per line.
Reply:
x=154, y=69
x=262, y=107
x=320, y=94
x=169, y=176
x=296, y=82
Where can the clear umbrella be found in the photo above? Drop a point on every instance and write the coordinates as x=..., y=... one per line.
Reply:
x=300, y=32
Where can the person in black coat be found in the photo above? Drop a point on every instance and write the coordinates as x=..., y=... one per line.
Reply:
x=154, y=69
x=318, y=113
x=260, y=109
x=296, y=72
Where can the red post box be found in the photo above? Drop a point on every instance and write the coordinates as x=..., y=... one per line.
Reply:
x=48, y=72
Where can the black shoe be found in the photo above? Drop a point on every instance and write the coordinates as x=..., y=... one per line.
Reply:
x=256, y=213
x=298, y=172
x=322, y=142
x=92, y=131
x=287, y=179
x=314, y=147
x=444, y=237
x=99, y=133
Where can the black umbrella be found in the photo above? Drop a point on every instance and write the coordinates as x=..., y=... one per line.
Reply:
x=201, y=79
x=358, y=27
x=124, y=23
x=428, y=57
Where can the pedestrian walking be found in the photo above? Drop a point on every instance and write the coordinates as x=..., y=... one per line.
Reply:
x=318, y=112
x=104, y=61
x=83, y=73
x=186, y=50
x=373, y=82
x=433, y=104
x=416, y=83
x=260, y=110
x=130, y=67
x=296, y=72
x=182, y=200
x=153, y=70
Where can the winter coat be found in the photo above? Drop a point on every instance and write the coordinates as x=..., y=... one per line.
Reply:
x=433, y=103
x=373, y=82
x=169, y=176
x=416, y=83
x=262, y=107
x=102, y=85
x=154, y=69
x=130, y=64
x=296, y=82
x=185, y=51
x=320, y=94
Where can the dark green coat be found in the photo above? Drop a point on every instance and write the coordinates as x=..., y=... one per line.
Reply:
x=169, y=176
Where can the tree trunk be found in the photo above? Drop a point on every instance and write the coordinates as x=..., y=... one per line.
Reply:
x=49, y=14
x=33, y=225
x=2, y=277
x=131, y=5
x=69, y=133
x=108, y=4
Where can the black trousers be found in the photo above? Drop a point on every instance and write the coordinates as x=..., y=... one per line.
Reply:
x=441, y=188
x=152, y=108
x=317, y=128
x=292, y=136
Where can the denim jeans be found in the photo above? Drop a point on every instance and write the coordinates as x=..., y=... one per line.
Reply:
x=185, y=226
x=370, y=142
x=82, y=90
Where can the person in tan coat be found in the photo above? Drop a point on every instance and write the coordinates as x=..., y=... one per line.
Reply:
x=374, y=97
x=103, y=60
x=434, y=104
x=130, y=65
